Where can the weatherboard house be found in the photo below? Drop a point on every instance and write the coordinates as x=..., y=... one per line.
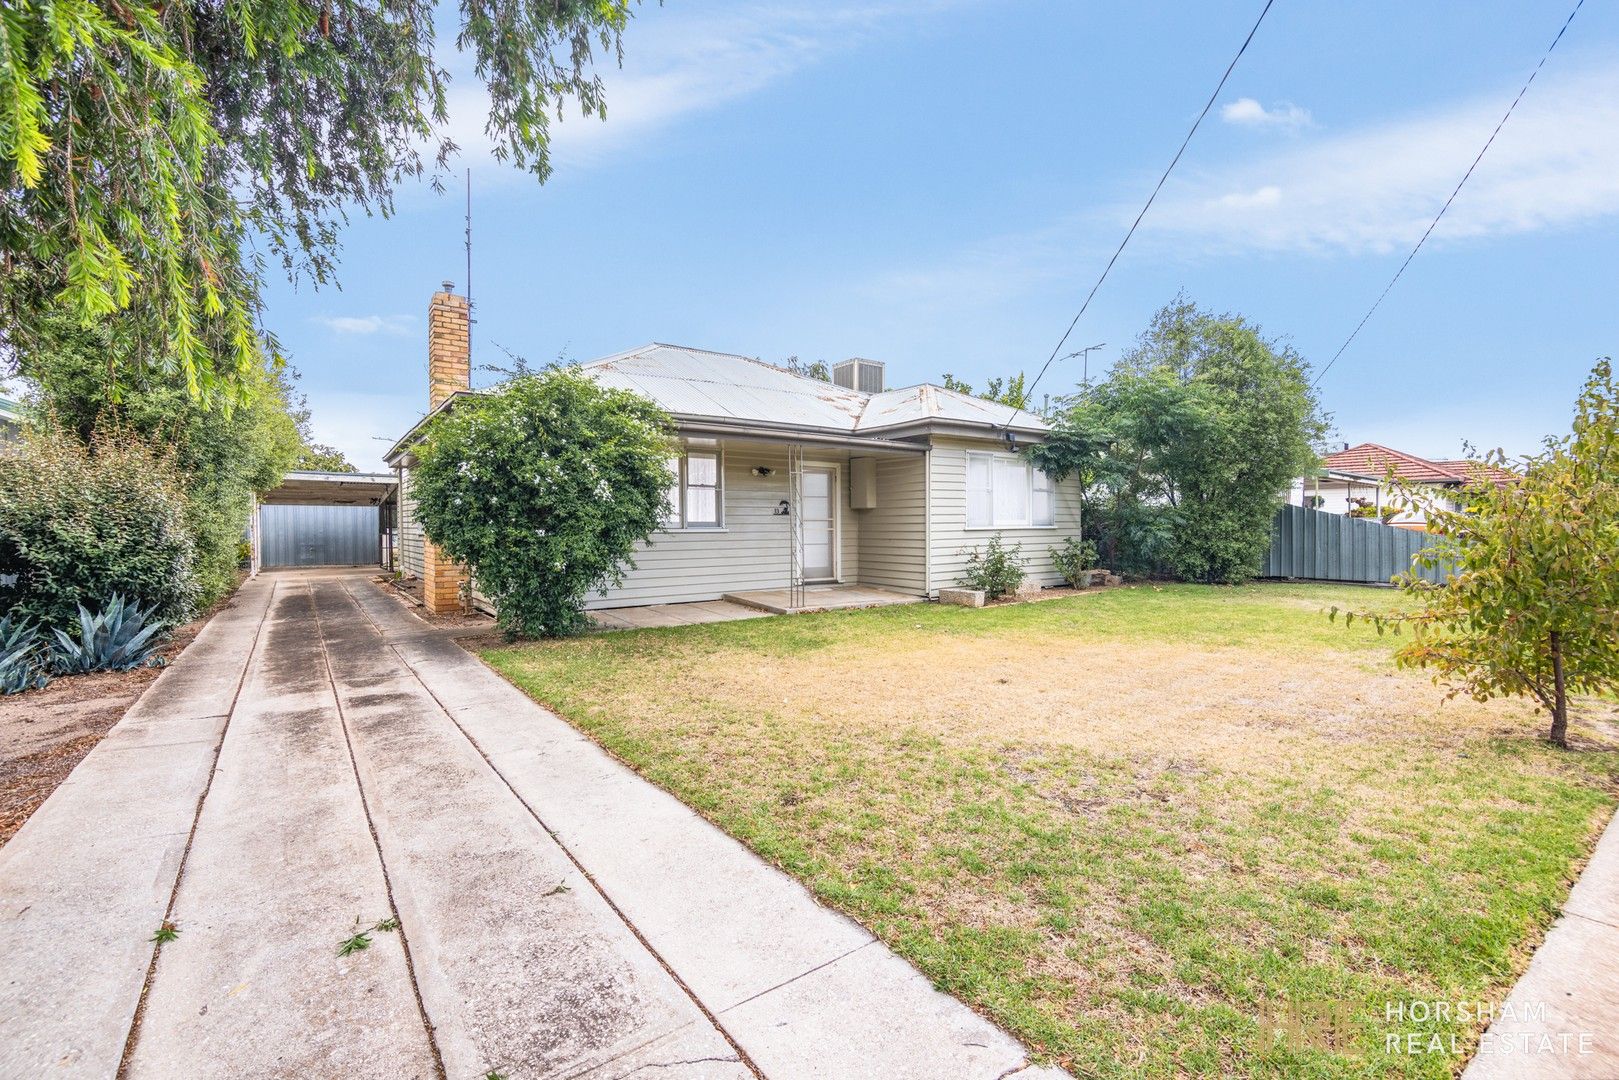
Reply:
x=788, y=487
x=1358, y=481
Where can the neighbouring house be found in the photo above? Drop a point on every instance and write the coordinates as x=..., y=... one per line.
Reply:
x=10, y=419
x=891, y=489
x=1355, y=481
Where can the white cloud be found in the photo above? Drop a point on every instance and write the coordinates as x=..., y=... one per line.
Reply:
x=1247, y=112
x=1269, y=195
x=1555, y=164
x=393, y=325
x=678, y=65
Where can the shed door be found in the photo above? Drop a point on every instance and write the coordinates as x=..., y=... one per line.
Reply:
x=292, y=534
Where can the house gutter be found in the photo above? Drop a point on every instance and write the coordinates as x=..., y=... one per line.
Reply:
x=795, y=435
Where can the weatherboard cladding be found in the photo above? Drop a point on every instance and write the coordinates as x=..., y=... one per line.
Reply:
x=914, y=540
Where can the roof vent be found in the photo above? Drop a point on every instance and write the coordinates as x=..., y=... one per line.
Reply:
x=855, y=373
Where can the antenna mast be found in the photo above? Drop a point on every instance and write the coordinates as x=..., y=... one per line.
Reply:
x=470, y=306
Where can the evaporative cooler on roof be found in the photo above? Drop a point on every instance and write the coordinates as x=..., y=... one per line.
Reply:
x=865, y=376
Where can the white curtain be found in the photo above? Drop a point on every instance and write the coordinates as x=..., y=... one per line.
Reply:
x=978, y=491
x=1011, y=491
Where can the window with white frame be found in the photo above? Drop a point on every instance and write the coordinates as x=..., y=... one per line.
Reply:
x=694, y=491
x=1004, y=490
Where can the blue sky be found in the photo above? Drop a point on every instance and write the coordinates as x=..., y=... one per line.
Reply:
x=937, y=183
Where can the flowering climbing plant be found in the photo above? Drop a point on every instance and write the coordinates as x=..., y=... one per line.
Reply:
x=544, y=488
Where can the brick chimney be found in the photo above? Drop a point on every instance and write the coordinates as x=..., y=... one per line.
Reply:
x=449, y=369
x=449, y=346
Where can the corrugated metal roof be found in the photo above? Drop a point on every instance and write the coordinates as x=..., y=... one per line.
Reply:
x=700, y=383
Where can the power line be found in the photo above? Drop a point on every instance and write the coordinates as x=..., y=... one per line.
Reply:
x=1524, y=90
x=1173, y=162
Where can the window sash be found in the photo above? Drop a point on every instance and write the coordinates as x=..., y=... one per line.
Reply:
x=694, y=491
x=1043, y=498
x=980, y=487
x=1005, y=491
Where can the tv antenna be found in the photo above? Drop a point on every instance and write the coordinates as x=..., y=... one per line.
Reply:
x=470, y=306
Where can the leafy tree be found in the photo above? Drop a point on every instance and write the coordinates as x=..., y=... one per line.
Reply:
x=320, y=457
x=1531, y=606
x=1193, y=439
x=544, y=489
x=313, y=456
x=223, y=455
x=1008, y=391
x=142, y=142
x=812, y=369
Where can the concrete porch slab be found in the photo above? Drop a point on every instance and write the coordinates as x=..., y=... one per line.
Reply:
x=822, y=598
x=702, y=611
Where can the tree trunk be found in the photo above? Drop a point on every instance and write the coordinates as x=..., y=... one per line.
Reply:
x=1559, y=733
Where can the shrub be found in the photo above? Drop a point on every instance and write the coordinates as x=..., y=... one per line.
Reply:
x=1074, y=559
x=1530, y=605
x=544, y=490
x=20, y=656
x=222, y=455
x=997, y=569
x=118, y=637
x=82, y=522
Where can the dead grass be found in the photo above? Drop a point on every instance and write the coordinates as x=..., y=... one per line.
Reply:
x=1120, y=824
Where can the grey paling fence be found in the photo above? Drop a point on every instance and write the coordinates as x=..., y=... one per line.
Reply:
x=1318, y=546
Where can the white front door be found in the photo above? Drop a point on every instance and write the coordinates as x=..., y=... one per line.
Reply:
x=818, y=516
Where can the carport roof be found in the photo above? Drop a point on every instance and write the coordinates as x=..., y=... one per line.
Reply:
x=332, y=489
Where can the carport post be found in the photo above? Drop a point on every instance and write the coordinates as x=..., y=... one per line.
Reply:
x=255, y=557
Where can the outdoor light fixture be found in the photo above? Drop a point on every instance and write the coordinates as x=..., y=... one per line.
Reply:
x=781, y=509
x=762, y=470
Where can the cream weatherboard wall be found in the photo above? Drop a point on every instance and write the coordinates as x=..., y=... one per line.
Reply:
x=893, y=534
x=915, y=540
x=411, y=539
x=951, y=541
x=750, y=550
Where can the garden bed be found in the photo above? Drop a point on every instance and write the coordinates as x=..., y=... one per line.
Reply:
x=45, y=733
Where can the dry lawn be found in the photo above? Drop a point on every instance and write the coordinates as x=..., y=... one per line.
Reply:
x=1129, y=826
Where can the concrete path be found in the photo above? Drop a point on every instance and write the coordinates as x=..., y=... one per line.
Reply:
x=322, y=764
x=649, y=615
x=1561, y=1021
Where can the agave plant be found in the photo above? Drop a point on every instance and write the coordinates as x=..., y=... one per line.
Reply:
x=118, y=637
x=20, y=657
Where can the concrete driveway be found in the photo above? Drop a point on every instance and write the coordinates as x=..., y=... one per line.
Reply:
x=322, y=766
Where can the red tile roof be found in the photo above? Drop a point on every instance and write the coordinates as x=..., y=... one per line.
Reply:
x=1470, y=469
x=1376, y=460
x=1371, y=459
